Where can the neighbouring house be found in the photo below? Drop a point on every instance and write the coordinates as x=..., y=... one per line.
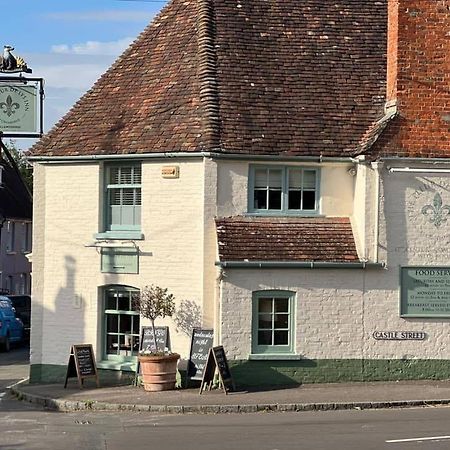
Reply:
x=15, y=229
x=282, y=167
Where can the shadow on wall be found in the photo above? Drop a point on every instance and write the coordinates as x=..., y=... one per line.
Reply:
x=188, y=315
x=64, y=326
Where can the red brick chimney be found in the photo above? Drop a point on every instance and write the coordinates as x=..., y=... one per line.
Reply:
x=418, y=77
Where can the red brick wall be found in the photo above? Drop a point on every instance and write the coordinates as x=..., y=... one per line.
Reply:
x=422, y=63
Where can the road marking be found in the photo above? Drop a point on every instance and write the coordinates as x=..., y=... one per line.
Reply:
x=431, y=438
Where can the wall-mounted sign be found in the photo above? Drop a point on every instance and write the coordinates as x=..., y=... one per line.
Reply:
x=425, y=291
x=120, y=260
x=170, y=172
x=399, y=335
x=21, y=103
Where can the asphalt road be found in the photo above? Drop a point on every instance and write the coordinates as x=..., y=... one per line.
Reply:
x=23, y=426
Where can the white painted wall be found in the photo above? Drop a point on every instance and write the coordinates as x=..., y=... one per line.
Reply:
x=338, y=310
x=67, y=276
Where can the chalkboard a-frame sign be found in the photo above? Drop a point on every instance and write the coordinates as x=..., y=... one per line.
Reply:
x=217, y=360
x=81, y=364
x=201, y=341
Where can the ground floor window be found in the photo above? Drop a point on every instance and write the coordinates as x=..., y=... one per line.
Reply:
x=121, y=324
x=273, y=322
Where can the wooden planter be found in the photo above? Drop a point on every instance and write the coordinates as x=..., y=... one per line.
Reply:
x=159, y=372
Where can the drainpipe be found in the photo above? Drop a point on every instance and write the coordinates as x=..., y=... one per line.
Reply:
x=376, y=166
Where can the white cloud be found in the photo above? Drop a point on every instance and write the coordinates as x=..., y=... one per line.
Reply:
x=94, y=47
x=102, y=16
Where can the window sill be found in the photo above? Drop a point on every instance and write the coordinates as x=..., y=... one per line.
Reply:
x=117, y=365
x=273, y=357
x=283, y=214
x=133, y=235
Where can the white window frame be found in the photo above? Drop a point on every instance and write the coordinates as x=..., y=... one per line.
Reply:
x=285, y=189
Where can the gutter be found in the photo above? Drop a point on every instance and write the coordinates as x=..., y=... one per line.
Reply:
x=299, y=265
x=180, y=155
x=418, y=170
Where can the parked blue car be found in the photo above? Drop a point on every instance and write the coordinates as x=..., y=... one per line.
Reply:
x=11, y=327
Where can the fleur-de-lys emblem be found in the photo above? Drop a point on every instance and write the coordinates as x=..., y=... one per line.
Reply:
x=436, y=213
x=9, y=107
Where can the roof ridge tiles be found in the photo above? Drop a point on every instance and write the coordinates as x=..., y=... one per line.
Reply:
x=207, y=69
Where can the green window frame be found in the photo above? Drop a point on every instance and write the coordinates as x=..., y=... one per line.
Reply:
x=123, y=185
x=273, y=320
x=284, y=190
x=121, y=324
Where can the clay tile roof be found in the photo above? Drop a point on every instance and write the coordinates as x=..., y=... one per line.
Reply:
x=285, y=239
x=268, y=77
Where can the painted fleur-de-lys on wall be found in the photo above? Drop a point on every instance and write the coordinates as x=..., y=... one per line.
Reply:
x=437, y=212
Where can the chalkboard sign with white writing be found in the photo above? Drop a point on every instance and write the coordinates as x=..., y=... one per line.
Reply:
x=148, y=341
x=81, y=364
x=201, y=342
x=217, y=363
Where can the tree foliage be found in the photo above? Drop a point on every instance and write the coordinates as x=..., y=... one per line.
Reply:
x=23, y=165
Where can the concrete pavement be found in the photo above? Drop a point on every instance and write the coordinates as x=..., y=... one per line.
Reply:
x=303, y=398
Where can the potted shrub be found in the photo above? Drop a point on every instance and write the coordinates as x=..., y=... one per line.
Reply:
x=159, y=368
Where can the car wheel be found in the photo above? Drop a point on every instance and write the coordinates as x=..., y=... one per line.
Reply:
x=6, y=344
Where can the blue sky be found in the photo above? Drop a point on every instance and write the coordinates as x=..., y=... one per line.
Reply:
x=71, y=43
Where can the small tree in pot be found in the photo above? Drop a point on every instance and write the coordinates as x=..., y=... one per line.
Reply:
x=158, y=368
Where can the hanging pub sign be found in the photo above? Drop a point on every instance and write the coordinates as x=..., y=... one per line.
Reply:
x=21, y=98
x=21, y=107
x=81, y=364
x=201, y=342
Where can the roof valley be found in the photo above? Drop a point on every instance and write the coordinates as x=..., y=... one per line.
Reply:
x=207, y=71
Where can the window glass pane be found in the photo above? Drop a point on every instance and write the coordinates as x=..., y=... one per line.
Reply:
x=115, y=196
x=260, y=199
x=295, y=178
x=309, y=179
x=281, y=337
x=137, y=175
x=265, y=305
x=281, y=305
x=275, y=178
x=281, y=321
x=261, y=178
x=265, y=321
x=125, y=324
x=112, y=345
x=274, y=199
x=135, y=324
x=264, y=337
x=112, y=323
x=128, y=196
x=126, y=175
x=295, y=200
x=309, y=200
x=124, y=302
x=111, y=301
x=114, y=175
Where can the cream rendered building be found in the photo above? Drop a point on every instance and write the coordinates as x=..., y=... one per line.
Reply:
x=290, y=209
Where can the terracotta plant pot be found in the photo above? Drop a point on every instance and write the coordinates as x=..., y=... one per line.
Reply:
x=159, y=372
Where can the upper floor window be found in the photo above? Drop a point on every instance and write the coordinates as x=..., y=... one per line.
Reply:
x=283, y=189
x=11, y=237
x=123, y=197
